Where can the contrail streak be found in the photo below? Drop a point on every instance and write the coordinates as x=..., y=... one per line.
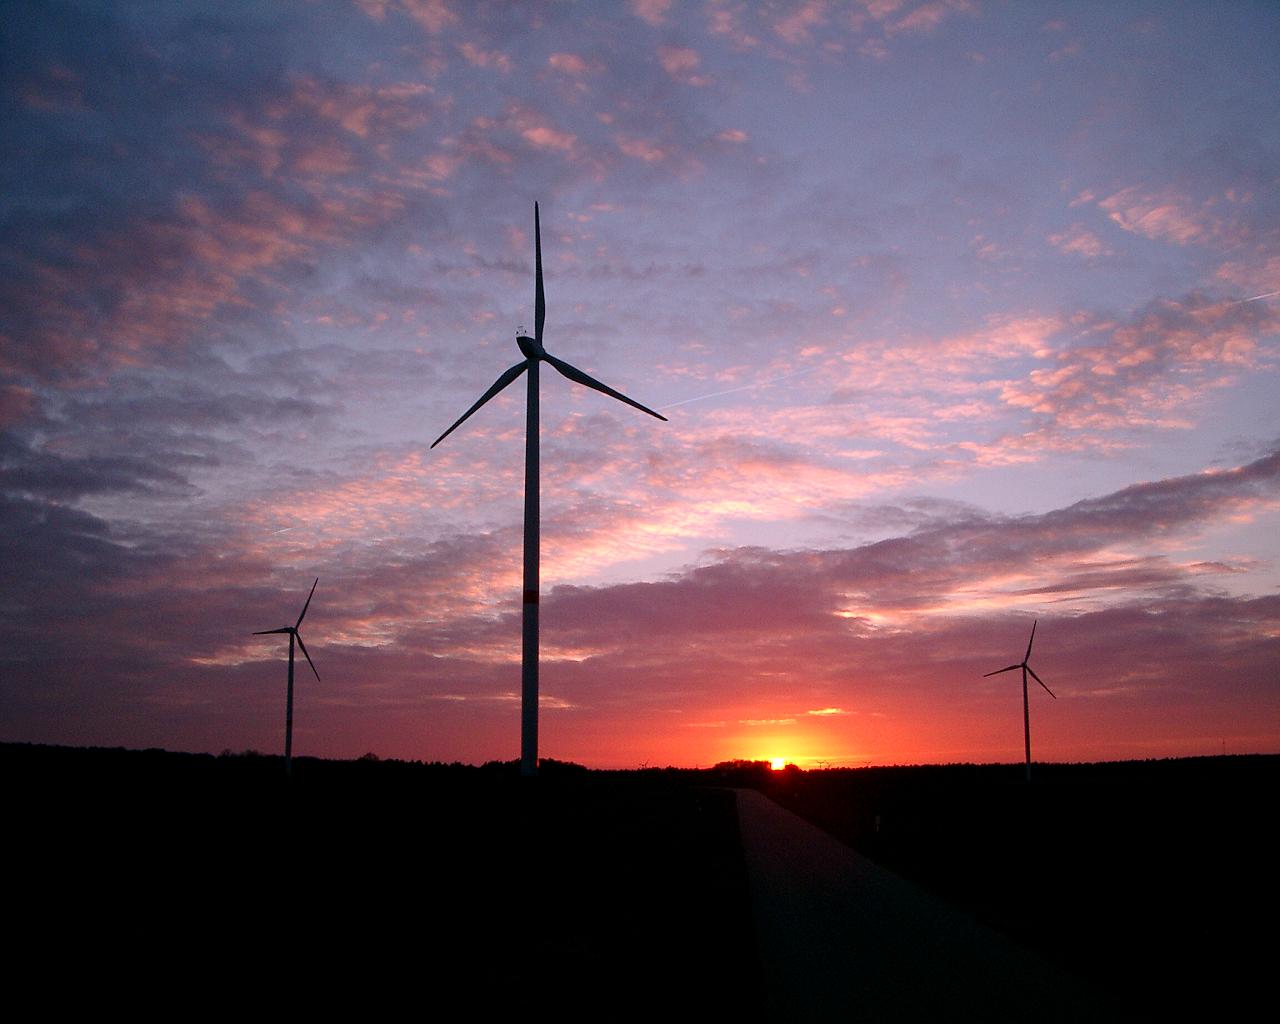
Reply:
x=1255, y=298
x=744, y=387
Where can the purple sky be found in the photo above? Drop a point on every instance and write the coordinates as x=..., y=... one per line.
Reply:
x=963, y=314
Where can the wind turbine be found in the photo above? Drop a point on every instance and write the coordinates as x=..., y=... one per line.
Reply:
x=288, y=706
x=1026, y=714
x=534, y=354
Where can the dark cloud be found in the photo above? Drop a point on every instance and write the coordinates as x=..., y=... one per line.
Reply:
x=24, y=470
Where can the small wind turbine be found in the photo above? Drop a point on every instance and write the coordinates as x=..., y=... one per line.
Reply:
x=1026, y=714
x=288, y=706
x=534, y=354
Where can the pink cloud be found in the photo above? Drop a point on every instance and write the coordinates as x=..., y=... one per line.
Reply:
x=1147, y=372
x=652, y=11
x=681, y=63
x=490, y=138
x=360, y=109
x=924, y=18
x=1078, y=240
x=1171, y=216
x=537, y=131
x=536, y=128
x=433, y=15
x=323, y=159
x=1077, y=383
x=948, y=365
x=1255, y=275
x=882, y=9
x=795, y=26
x=724, y=19
x=481, y=58
x=639, y=149
x=437, y=167
x=571, y=64
x=180, y=270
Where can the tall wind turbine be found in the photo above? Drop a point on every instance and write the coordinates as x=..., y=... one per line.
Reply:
x=288, y=705
x=1026, y=714
x=534, y=354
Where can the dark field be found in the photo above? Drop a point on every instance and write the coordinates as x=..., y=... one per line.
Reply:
x=152, y=880
x=143, y=877
x=1154, y=880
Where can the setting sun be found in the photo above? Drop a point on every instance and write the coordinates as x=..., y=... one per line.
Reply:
x=777, y=763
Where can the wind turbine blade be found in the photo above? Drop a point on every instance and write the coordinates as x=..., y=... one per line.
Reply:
x=264, y=632
x=307, y=605
x=574, y=374
x=1027, y=656
x=308, y=657
x=498, y=385
x=539, y=298
x=999, y=670
x=1041, y=682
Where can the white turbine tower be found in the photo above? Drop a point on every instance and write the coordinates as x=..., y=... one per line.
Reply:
x=288, y=704
x=1026, y=713
x=534, y=354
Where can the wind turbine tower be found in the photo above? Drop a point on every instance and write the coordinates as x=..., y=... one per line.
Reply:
x=534, y=354
x=288, y=704
x=1026, y=713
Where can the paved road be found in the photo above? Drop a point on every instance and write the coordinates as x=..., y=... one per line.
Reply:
x=843, y=939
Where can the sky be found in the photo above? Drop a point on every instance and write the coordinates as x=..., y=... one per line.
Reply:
x=965, y=315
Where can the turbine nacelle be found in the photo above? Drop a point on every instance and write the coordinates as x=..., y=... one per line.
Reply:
x=530, y=347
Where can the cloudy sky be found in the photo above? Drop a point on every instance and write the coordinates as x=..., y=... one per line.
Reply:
x=963, y=313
